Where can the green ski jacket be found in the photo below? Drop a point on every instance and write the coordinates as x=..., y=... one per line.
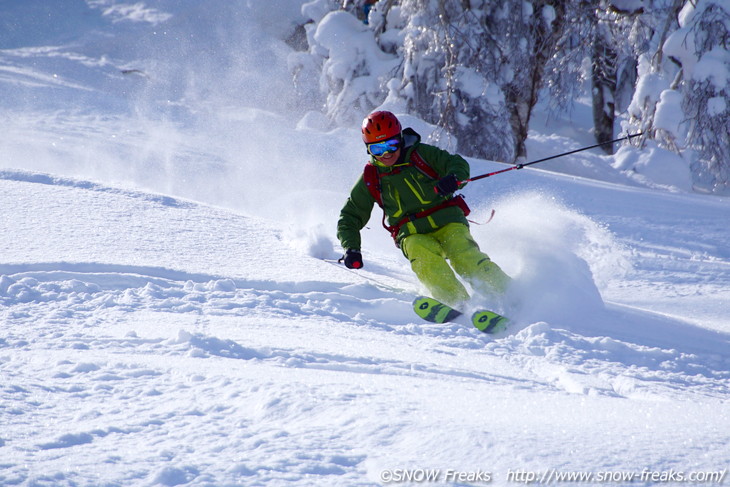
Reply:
x=405, y=191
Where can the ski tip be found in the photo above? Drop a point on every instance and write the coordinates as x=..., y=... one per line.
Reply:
x=489, y=322
x=433, y=310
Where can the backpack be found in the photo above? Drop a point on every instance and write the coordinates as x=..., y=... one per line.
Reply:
x=371, y=177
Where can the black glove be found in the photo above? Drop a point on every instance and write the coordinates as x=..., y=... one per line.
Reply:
x=353, y=259
x=447, y=185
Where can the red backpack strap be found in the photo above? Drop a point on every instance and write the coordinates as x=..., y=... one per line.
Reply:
x=371, y=177
x=423, y=166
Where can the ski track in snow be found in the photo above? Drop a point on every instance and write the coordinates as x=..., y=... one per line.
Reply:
x=147, y=374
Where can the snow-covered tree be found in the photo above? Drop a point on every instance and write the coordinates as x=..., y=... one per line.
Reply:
x=683, y=92
x=597, y=44
x=451, y=76
x=351, y=67
x=476, y=68
x=608, y=56
x=529, y=37
x=701, y=47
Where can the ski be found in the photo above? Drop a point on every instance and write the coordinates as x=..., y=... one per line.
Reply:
x=435, y=311
x=489, y=321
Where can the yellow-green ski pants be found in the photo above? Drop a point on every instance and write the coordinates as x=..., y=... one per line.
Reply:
x=428, y=252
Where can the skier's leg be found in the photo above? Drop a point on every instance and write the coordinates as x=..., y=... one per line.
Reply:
x=427, y=261
x=468, y=261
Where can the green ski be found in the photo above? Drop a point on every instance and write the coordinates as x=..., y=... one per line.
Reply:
x=489, y=321
x=435, y=311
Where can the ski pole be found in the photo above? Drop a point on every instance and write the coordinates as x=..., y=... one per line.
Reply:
x=520, y=166
x=385, y=287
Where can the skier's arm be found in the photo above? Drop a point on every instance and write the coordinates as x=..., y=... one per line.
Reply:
x=354, y=216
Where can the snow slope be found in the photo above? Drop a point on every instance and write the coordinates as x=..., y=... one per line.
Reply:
x=150, y=340
x=168, y=317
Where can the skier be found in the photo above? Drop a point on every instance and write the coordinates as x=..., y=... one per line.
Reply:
x=414, y=183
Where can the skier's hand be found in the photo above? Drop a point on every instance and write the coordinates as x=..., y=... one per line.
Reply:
x=353, y=259
x=447, y=185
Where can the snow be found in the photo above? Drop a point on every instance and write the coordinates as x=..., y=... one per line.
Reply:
x=716, y=105
x=648, y=89
x=171, y=314
x=132, y=13
x=655, y=166
x=711, y=65
x=668, y=112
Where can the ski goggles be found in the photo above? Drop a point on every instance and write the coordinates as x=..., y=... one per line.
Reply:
x=380, y=148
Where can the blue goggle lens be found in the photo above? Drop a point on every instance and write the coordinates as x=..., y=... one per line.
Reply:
x=380, y=148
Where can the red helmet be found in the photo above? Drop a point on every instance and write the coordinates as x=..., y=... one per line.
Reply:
x=380, y=126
